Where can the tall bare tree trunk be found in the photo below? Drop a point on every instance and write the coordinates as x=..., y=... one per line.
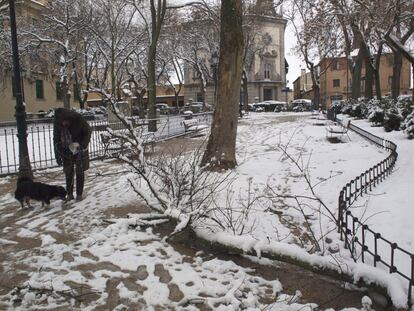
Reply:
x=65, y=93
x=315, y=87
x=245, y=92
x=202, y=91
x=396, y=74
x=157, y=19
x=377, y=72
x=221, y=148
x=369, y=79
x=412, y=65
x=356, y=75
x=151, y=89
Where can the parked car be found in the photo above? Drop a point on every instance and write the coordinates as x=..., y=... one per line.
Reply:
x=298, y=108
x=304, y=105
x=163, y=108
x=269, y=105
x=197, y=107
x=173, y=110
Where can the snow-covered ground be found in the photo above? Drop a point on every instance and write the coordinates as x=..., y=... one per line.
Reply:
x=71, y=259
x=389, y=208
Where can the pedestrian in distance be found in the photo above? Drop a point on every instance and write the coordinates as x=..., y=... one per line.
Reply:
x=71, y=136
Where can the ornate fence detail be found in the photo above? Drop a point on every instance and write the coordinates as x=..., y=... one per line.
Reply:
x=363, y=242
x=41, y=147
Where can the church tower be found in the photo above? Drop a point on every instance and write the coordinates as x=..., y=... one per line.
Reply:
x=267, y=75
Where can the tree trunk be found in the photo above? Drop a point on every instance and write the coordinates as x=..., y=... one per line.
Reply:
x=177, y=101
x=412, y=65
x=65, y=91
x=396, y=74
x=221, y=147
x=245, y=92
x=315, y=87
x=369, y=78
x=377, y=73
x=202, y=90
x=356, y=75
x=141, y=108
x=82, y=98
x=152, y=113
x=157, y=19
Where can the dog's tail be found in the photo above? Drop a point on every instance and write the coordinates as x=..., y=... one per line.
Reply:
x=22, y=179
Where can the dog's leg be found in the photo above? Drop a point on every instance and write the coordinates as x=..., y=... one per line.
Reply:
x=22, y=203
x=28, y=202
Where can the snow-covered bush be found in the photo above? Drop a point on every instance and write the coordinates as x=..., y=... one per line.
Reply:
x=408, y=125
x=355, y=108
x=392, y=120
x=376, y=116
x=405, y=105
x=347, y=109
x=359, y=110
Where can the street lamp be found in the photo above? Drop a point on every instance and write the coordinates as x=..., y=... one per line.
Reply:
x=286, y=90
x=214, y=65
x=24, y=160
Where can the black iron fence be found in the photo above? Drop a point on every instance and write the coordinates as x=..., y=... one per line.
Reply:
x=364, y=243
x=40, y=139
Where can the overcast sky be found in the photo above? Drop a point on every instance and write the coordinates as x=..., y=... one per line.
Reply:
x=294, y=62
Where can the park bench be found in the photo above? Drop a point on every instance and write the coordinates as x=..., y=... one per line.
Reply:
x=193, y=126
x=319, y=119
x=338, y=129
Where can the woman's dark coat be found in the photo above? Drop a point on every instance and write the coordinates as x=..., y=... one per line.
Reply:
x=80, y=132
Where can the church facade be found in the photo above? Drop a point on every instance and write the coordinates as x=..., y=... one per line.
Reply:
x=265, y=66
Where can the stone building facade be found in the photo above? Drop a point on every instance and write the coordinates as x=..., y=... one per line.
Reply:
x=41, y=91
x=266, y=66
x=335, y=80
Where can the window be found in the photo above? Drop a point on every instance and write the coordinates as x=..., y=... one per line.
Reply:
x=389, y=81
x=267, y=70
x=336, y=83
x=267, y=94
x=13, y=84
x=39, y=89
x=390, y=60
x=59, y=95
x=335, y=65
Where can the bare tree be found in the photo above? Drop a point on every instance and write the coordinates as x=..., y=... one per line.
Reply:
x=367, y=26
x=116, y=37
x=317, y=38
x=221, y=147
x=157, y=11
x=170, y=51
x=59, y=31
x=200, y=41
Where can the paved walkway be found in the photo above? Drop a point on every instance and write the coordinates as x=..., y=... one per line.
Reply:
x=64, y=257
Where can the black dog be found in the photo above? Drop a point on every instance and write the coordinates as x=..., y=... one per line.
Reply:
x=28, y=189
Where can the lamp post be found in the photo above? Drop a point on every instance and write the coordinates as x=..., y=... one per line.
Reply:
x=24, y=160
x=214, y=65
x=286, y=90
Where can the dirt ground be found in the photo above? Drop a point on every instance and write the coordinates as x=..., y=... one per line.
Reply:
x=73, y=221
